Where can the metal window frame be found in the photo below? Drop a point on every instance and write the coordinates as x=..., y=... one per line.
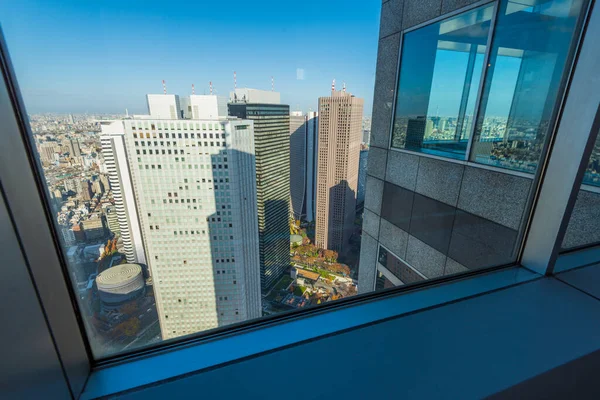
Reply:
x=24, y=194
x=27, y=200
x=569, y=151
x=461, y=10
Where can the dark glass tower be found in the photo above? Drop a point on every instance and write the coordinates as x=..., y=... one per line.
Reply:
x=272, y=147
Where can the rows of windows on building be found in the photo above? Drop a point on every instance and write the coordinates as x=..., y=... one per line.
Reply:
x=201, y=213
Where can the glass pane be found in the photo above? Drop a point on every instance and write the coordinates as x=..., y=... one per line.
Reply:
x=440, y=72
x=186, y=208
x=531, y=44
x=583, y=231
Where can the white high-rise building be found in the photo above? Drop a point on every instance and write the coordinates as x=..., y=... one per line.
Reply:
x=164, y=106
x=195, y=187
x=208, y=106
x=117, y=167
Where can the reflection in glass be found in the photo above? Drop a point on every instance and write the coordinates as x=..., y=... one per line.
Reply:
x=583, y=230
x=526, y=64
x=439, y=77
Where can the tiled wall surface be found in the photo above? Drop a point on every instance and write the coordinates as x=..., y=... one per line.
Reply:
x=439, y=217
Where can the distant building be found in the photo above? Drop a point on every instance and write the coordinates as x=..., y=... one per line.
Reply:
x=112, y=220
x=206, y=106
x=297, y=164
x=74, y=148
x=312, y=144
x=120, y=284
x=366, y=136
x=93, y=228
x=68, y=236
x=340, y=122
x=203, y=253
x=303, y=168
x=254, y=96
x=115, y=160
x=48, y=152
x=272, y=142
x=164, y=106
x=362, y=177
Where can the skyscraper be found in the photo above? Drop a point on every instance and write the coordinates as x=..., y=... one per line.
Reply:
x=297, y=163
x=194, y=183
x=303, y=167
x=272, y=144
x=340, y=130
x=115, y=160
x=312, y=133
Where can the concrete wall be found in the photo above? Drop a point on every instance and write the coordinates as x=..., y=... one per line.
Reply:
x=439, y=216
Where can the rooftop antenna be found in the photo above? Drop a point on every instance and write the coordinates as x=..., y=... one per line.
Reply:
x=344, y=87
x=193, y=90
x=272, y=84
x=210, y=83
x=234, y=80
x=333, y=85
x=164, y=87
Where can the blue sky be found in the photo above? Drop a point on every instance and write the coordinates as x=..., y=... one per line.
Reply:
x=104, y=56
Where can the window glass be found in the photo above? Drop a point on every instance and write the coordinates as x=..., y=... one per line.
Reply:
x=583, y=230
x=531, y=45
x=440, y=71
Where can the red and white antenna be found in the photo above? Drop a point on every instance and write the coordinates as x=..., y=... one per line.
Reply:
x=210, y=84
x=193, y=90
x=344, y=87
x=272, y=84
x=333, y=86
x=234, y=80
x=164, y=87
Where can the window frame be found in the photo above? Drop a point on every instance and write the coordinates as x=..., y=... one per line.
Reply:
x=27, y=200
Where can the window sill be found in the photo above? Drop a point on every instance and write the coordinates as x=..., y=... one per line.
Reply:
x=183, y=360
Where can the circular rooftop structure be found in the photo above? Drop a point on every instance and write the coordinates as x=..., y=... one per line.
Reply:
x=120, y=283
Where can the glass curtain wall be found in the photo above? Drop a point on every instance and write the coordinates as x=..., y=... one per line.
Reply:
x=440, y=72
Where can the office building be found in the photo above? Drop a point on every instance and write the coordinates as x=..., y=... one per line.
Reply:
x=340, y=129
x=207, y=106
x=112, y=219
x=93, y=227
x=194, y=183
x=115, y=159
x=297, y=163
x=272, y=144
x=303, y=159
x=312, y=145
x=362, y=177
x=47, y=152
x=74, y=148
x=254, y=96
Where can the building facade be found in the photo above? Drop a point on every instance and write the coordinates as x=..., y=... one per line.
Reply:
x=272, y=145
x=298, y=160
x=340, y=129
x=451, y=174
x=194, y=183
x=115, y=159
x=164, y=106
